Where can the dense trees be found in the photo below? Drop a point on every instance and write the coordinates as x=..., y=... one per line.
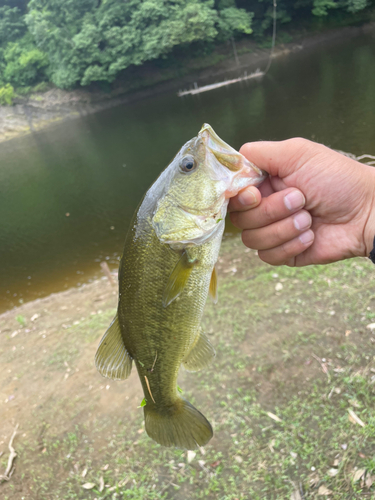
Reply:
x=76, y=42
x=87, y=40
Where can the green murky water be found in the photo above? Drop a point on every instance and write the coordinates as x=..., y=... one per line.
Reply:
x=97, y=168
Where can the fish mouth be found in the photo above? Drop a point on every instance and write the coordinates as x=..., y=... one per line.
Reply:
x=228, y=156
x=224, y=153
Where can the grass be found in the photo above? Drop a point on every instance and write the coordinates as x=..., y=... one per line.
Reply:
x=257, y=457
x=291, y=362
x=72, y=336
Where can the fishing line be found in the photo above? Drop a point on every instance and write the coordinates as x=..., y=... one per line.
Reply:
x=273, y=38
x=198, y=90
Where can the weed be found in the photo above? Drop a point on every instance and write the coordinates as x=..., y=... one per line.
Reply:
x=21, y=319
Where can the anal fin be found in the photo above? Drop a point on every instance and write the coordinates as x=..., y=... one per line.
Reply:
x=112, y=360
x=201, y=354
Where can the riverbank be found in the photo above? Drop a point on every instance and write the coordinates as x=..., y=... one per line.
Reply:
x=295, y=361
x=44, y=109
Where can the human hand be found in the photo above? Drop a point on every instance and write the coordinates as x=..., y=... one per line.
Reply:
x=316, y=207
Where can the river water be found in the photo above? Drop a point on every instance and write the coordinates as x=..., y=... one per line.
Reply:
x=67, y=194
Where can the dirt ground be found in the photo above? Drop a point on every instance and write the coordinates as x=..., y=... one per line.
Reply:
x=290, y=394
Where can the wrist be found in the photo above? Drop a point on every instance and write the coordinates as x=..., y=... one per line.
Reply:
x=369, y=228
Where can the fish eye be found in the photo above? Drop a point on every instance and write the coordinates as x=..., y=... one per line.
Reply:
x=187, y=164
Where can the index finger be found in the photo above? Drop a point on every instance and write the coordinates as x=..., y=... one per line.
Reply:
x=278, y=158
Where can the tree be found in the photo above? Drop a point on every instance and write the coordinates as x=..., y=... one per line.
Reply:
x=233, y=20
x=12, y=25
x=77, y=42
x=320, y=7
x=356, y=5
x=24, y=63
x=85, y=41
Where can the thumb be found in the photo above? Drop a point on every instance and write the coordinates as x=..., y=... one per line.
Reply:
x=278, y=158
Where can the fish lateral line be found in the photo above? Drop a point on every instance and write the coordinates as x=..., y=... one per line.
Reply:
x=149, y=389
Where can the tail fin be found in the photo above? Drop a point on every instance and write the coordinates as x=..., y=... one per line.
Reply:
x=180, y=425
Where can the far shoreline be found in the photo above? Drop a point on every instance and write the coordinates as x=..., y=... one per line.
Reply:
x=41, y=111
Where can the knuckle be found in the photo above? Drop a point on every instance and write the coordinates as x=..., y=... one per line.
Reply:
x=298, y=142
x=285, y=251
x=279, y=233
x=268, y=211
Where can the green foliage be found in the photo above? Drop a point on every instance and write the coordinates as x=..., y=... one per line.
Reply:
x=284, y=14
x=78, y=42
x=321, y=7
x=225, y=4
x=107, y=39
x=356, y=5
x=12, y=25
x=6, y=96
x=25, y=63
x=233, y=20
x=20, y=319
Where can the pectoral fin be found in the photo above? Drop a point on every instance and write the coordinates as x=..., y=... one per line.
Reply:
x=200, y=355
x=178, y=279
x=112, y=360
x=213, y=285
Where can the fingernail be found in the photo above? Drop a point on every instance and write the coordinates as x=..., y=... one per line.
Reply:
x=247, y=198
x=306, y=237
x=302, y=221
x=294, y=200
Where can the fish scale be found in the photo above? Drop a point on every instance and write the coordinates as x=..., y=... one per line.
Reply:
x=166, y=272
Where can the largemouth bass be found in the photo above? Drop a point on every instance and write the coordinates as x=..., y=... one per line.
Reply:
x=166, y=272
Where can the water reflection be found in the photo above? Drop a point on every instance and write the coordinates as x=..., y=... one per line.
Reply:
x=97, y=168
